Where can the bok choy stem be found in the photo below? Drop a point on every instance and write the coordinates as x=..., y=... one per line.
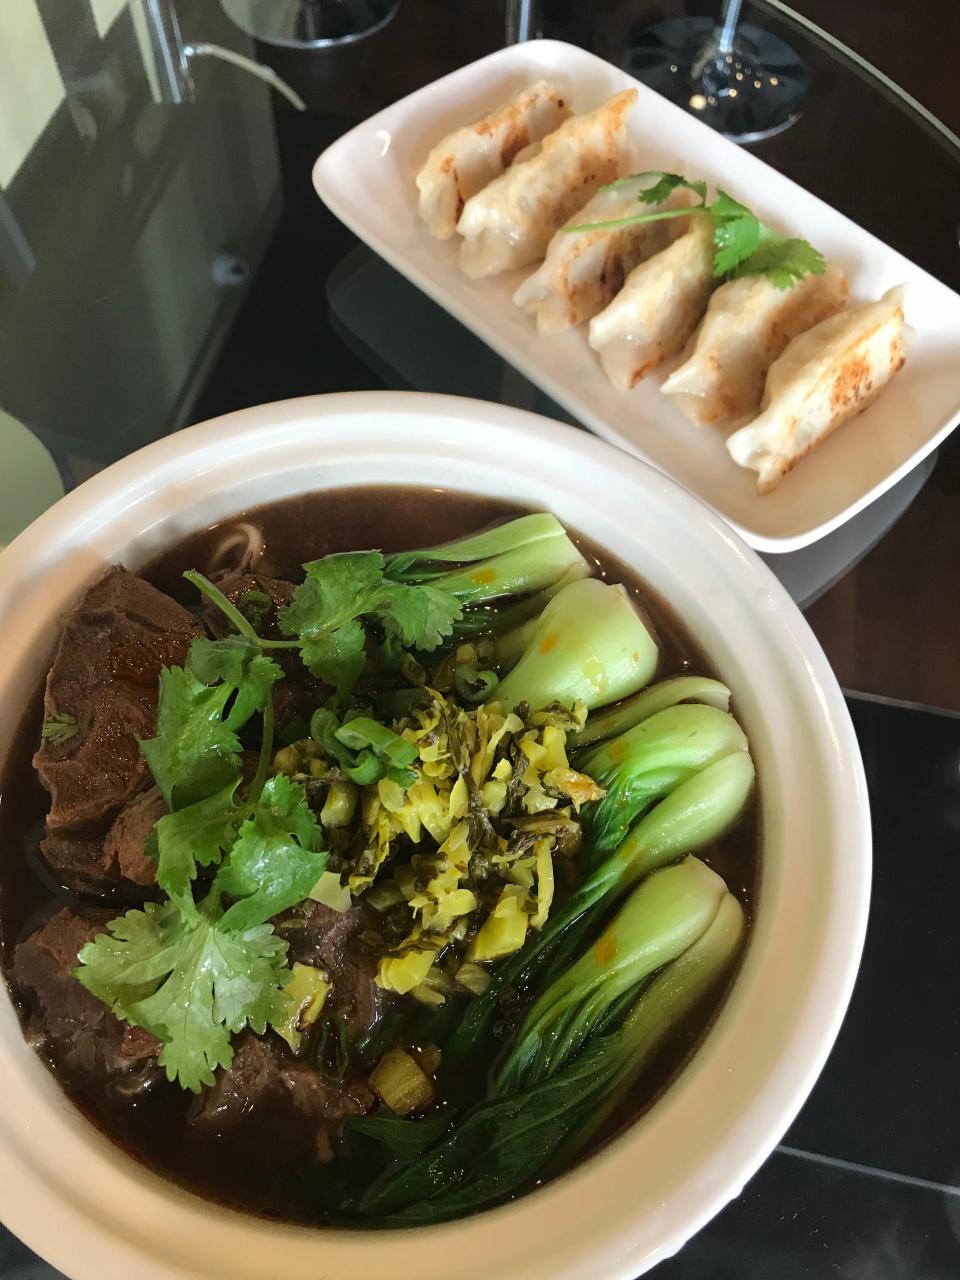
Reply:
x=526, y=555
x=589, y=645
x=649, y=761
x=662, y=917
x=510, y=1139
x=614, y=720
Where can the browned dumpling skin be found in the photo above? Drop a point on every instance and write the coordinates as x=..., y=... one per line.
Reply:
x=658, y=307
x=824, y=377
x=584, y=270
x=510, y=222
x=748, y=324
x=464, y=162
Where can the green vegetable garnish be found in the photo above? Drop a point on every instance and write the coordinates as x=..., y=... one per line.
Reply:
x=589, y=645
x=59, y=728
x=193, y=974
x=396, y=753
x=651, y=760
x=531, y=554
x=277, y=858
x=745, y=246
x=192, y=983
x=693, y=812
x=610, y=721
x=338, y=591
x=197, y=751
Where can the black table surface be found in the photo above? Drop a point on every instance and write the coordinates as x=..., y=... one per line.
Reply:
x=866, y=1185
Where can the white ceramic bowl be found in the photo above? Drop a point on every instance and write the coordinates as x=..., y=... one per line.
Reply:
x=93, y=1212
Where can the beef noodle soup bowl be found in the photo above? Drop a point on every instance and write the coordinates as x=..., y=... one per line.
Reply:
x=509, y=871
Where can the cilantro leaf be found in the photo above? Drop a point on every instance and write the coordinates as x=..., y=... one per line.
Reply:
x=201, y=833
x=736, y=233
x=192, y=983
x=202, y=707
x=666, y=184
x=238, y=662
x=195, y=753
x=323, y=613
x=339, y=590
x=744, y=245
x=784, y=261
x=277, y=858
x=421, y=616
x=336, y=656
x=59, y=728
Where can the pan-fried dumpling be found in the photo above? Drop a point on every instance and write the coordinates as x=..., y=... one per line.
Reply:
x=583, y=270
x=824, y=377
x=747, y=326
x=509, y=223
x=658, y=308
x=465, y=161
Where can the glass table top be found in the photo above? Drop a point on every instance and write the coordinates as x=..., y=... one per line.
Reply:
x=163, y=260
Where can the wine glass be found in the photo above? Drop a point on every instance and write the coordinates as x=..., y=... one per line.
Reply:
x=309, y=24
x=742, y=80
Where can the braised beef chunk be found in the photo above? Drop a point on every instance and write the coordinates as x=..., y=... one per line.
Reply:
x=125, y=845
x=105, y=676
x=266, y=1095
x=79, y=1033
x=344, y=944
x=235, y=586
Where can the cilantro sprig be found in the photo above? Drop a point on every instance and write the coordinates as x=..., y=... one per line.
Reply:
x=339, y=592
x=744, y=245
x=192, y=983
x=194, y=971
x=59, y=728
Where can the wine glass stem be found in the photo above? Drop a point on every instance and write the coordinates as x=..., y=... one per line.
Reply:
x=522, y=21
x=728, y=25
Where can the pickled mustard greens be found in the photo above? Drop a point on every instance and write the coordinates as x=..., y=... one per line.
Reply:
x=464, y=747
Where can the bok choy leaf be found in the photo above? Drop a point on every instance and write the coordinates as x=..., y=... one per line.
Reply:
x=662, y=917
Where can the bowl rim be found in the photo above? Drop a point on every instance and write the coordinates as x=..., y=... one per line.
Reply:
x=599, y=1220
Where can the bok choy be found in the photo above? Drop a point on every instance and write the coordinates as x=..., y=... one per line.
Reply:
x=700, y=807
x=523, y=556
x=513, y=1137
x=662, y=917
x=610, y=721
x=649, y=760
x=589, y=645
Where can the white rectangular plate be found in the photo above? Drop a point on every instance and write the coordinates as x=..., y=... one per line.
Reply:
x=367, y=179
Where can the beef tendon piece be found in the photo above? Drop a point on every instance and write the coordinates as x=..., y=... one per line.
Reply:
x=72, y=1028
x=104, y=680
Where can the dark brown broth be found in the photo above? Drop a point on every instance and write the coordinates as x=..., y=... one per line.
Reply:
x=155, y=1130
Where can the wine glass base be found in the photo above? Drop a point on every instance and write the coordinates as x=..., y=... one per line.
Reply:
x=309, y=24
x=755, y=91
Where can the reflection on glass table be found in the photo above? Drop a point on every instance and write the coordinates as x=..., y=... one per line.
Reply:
x=309, y=24
x=740, y=79
x=430, y=351
x=131, y=222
